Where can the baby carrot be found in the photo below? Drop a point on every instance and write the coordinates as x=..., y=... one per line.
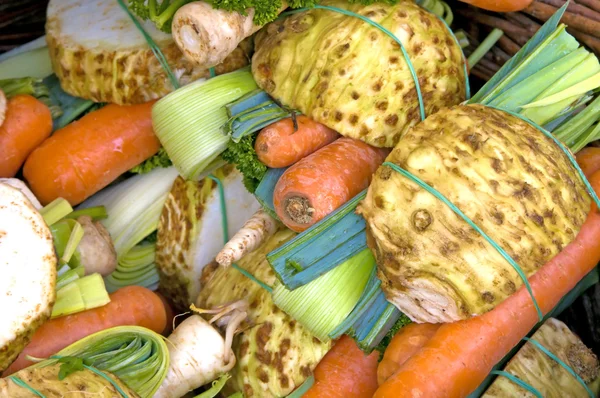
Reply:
x=27, y=124
x=461, y=354
x=87, y=155
x=278, y=145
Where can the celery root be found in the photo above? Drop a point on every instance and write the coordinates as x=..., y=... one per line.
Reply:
x=21, y=186
x=198, y=353
x=28, y=265
x=206, y=35
x=253, y=234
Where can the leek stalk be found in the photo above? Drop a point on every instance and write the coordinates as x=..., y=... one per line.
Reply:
x=485, y=46
x=324, y=303
x=266, y=188
x=56, y=210
x=322, y=247
x=137, y=267
x=80, y=295
x=216, y=387
x=251, y=113
x=68, y=275
x=133, y=207
x=96, y=213
x=188, y=121
x=138, y=356
x=35, y=63
x=74, y=239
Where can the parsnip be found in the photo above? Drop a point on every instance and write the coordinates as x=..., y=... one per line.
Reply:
x=260, y=227
x=206, y=36
x=198, y=353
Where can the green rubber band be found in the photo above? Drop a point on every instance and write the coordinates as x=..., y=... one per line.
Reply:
x=157, y=53
x=212, y=72
x=22, y=384
x=225, y=226
x=561, y=363
x=565, y=150
x=456, y=210
x=518, y=381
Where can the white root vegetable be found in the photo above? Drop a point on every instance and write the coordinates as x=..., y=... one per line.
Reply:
x=253, y=234
x=3, y=106
x=198, y=352
x=206, y=36
x=21, y=186
x=98, y=254
x=28, y=268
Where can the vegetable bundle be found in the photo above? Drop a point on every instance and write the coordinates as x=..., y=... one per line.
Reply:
x=359, y=83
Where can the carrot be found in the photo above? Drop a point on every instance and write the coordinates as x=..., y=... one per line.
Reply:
x=345, y=372
x=131, y=305
x=500, y=5
x=278, y=145
x=27, y=124
x=589, y=160
x=325, y=180
x=170, y=315
x=87, y=155
x=461, y=354
x=408, y=341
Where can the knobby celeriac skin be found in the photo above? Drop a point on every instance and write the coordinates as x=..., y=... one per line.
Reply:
x=514, y=182
x=537, y=369
x=351, y=76
x=189, y=231
x=275, y=354
x=80, y=384
x=98, y=54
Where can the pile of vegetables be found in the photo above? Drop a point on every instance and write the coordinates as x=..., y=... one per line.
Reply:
x=338, y=218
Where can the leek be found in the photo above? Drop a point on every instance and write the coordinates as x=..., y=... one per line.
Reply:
x=35, y=63
x=133, y=207
x=72, y=107
x=56, y=210
x=67, y=275
x=73, y=242
x=322, y=247
x=80, y=295
x=324, y=303
x=138, y=356
x=137, y=267
x=251, y=113
x=216, y=387
x=96, y=213
x=188, y=121
x=266, y=188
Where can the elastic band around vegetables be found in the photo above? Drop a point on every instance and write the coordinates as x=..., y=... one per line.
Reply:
x=404, y=52
x=456, y=210
x=226, y=233
x=561, y=363
x=518, y=381
x=155, y=50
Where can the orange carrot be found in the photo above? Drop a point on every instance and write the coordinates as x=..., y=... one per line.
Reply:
x=87, y=155
x=325, y=180
x=461, y=354
x=345, y=372
x=500, y=5
x=170, y=315
x=27, y=124
x=278, y=145
x=589, y=160
x=131, y=305
x=408, y=341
